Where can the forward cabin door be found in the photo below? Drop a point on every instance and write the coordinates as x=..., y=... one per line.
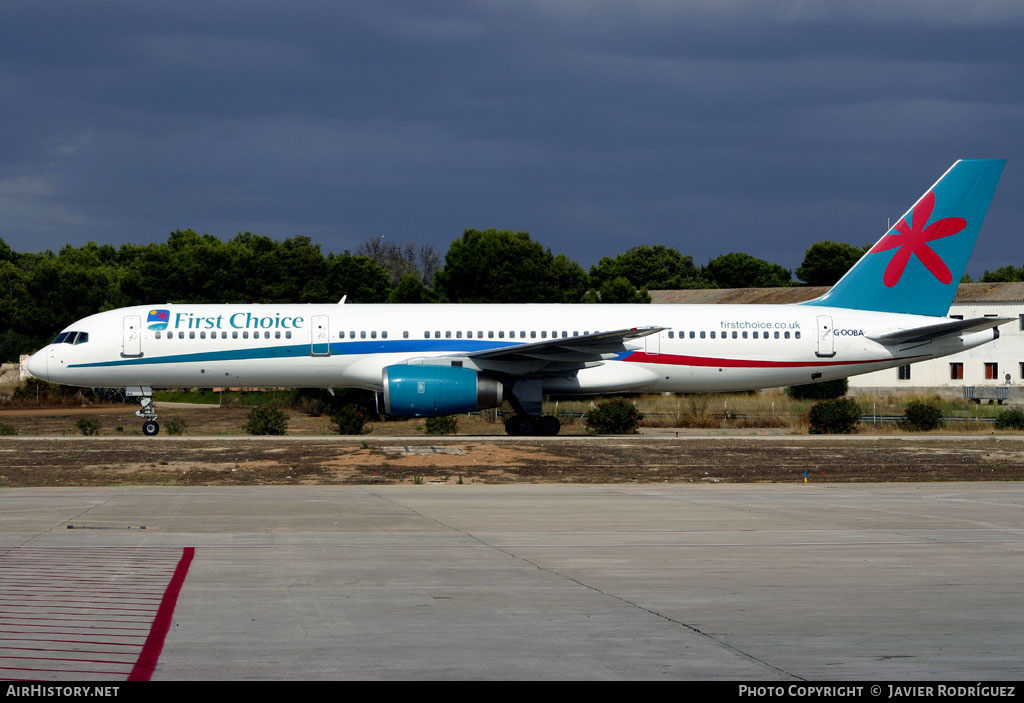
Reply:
x=320, y=344
x=826, y=337
x=131, y=336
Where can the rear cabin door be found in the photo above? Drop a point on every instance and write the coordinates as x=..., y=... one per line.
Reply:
x=826, y=337
x=131, y=336
x=320, y=344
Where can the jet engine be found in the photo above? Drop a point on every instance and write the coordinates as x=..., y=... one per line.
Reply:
x=432, y=391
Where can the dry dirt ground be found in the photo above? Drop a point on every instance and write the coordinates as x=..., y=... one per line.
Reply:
x=51, y=452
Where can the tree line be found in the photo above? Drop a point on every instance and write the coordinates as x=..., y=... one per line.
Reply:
x=40, y=293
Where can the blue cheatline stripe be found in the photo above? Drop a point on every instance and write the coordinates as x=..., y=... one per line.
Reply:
x=378, y=346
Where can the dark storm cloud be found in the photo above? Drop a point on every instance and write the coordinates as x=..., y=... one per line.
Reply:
x=712, y=127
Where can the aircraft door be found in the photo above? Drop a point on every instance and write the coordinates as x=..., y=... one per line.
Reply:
x=320, y=343
x=653, y=343
x=826, y=337
x=131, y=337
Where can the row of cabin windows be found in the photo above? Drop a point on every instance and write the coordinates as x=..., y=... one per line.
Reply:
x=81, y=337
x=235, y=334
x=736, y=335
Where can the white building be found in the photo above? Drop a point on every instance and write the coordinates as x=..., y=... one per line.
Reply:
x=996, y=363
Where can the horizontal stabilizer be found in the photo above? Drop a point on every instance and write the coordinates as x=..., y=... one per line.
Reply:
x=943, y=329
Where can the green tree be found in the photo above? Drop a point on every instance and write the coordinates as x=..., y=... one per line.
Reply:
x=1004, y=274
x=618, y=290
x=738, y=270
x=410, y=289
x=652, y=268
x=826, y=262
x=500, y=266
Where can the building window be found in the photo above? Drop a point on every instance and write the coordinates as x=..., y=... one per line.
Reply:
x=956, y=371
x=905, y=372
x=991, y=371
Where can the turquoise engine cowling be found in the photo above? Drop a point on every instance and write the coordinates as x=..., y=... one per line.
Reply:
x=412, y=390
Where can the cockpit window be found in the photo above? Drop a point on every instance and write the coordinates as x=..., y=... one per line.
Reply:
x=71, y=338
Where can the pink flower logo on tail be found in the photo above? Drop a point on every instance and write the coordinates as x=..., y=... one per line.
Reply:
x=914, y=241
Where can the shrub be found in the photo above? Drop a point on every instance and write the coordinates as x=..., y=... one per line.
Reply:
x=826, y=390
x=349, y=419
x=266, y=419
x=176, y=426
x=449, y=424
x=921, y=417
x=615, y=416
x=837, y=416
x=87, y=426
x=1012, y=419
x=6, y=429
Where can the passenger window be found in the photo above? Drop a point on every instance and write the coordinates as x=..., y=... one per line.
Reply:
x=533, y=334
x=744, y=335
x=202, y=335
x=384, y=334
x=776, y=334
x=351, y=334
x=234, y=334
x=671, y=334
x=362, y=334
x=787, y=335
x=703, y=333
x=191, y=335
x=458, y=334
x=755, y=334
x=277, y=334
x=797, y=335
x=479, y=334
x=712, y=334
x=405, y=334
x=245, y=334
x=373, y=334
x=501, y=334
x=288, y=334
x=490, y=334
x=158, y=334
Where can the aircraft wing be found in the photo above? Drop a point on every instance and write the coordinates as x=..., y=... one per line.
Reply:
x=554, y=356
x=943, y=329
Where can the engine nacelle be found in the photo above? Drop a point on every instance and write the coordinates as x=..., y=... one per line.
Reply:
x=432, y=391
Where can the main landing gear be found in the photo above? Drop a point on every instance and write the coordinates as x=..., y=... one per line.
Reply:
x=150, y=426
x=525, y=395
x=524, y=425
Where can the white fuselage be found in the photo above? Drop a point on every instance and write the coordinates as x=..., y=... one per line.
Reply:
x=703, y=348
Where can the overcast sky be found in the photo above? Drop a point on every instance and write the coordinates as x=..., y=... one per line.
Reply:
x=708, y=126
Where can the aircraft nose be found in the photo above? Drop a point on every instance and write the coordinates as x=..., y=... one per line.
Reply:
x=37, y=365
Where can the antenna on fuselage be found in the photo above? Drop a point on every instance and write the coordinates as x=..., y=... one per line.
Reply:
x=342, y=301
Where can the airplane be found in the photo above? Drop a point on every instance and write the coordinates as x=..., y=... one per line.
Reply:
x=889, y=310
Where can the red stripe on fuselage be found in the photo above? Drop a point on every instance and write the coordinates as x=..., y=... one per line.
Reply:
x=680, y=360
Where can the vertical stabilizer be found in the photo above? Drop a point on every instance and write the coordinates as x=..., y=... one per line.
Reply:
x=916, y=267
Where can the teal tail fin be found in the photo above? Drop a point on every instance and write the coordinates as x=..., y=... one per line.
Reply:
x=916, y=267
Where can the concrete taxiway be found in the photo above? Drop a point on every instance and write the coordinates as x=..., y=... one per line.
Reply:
x=774, y=582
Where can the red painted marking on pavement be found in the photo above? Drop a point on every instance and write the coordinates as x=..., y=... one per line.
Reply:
x=146, y=665
x=104, y=594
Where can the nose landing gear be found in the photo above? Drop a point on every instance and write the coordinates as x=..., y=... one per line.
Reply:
x=150, y=426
